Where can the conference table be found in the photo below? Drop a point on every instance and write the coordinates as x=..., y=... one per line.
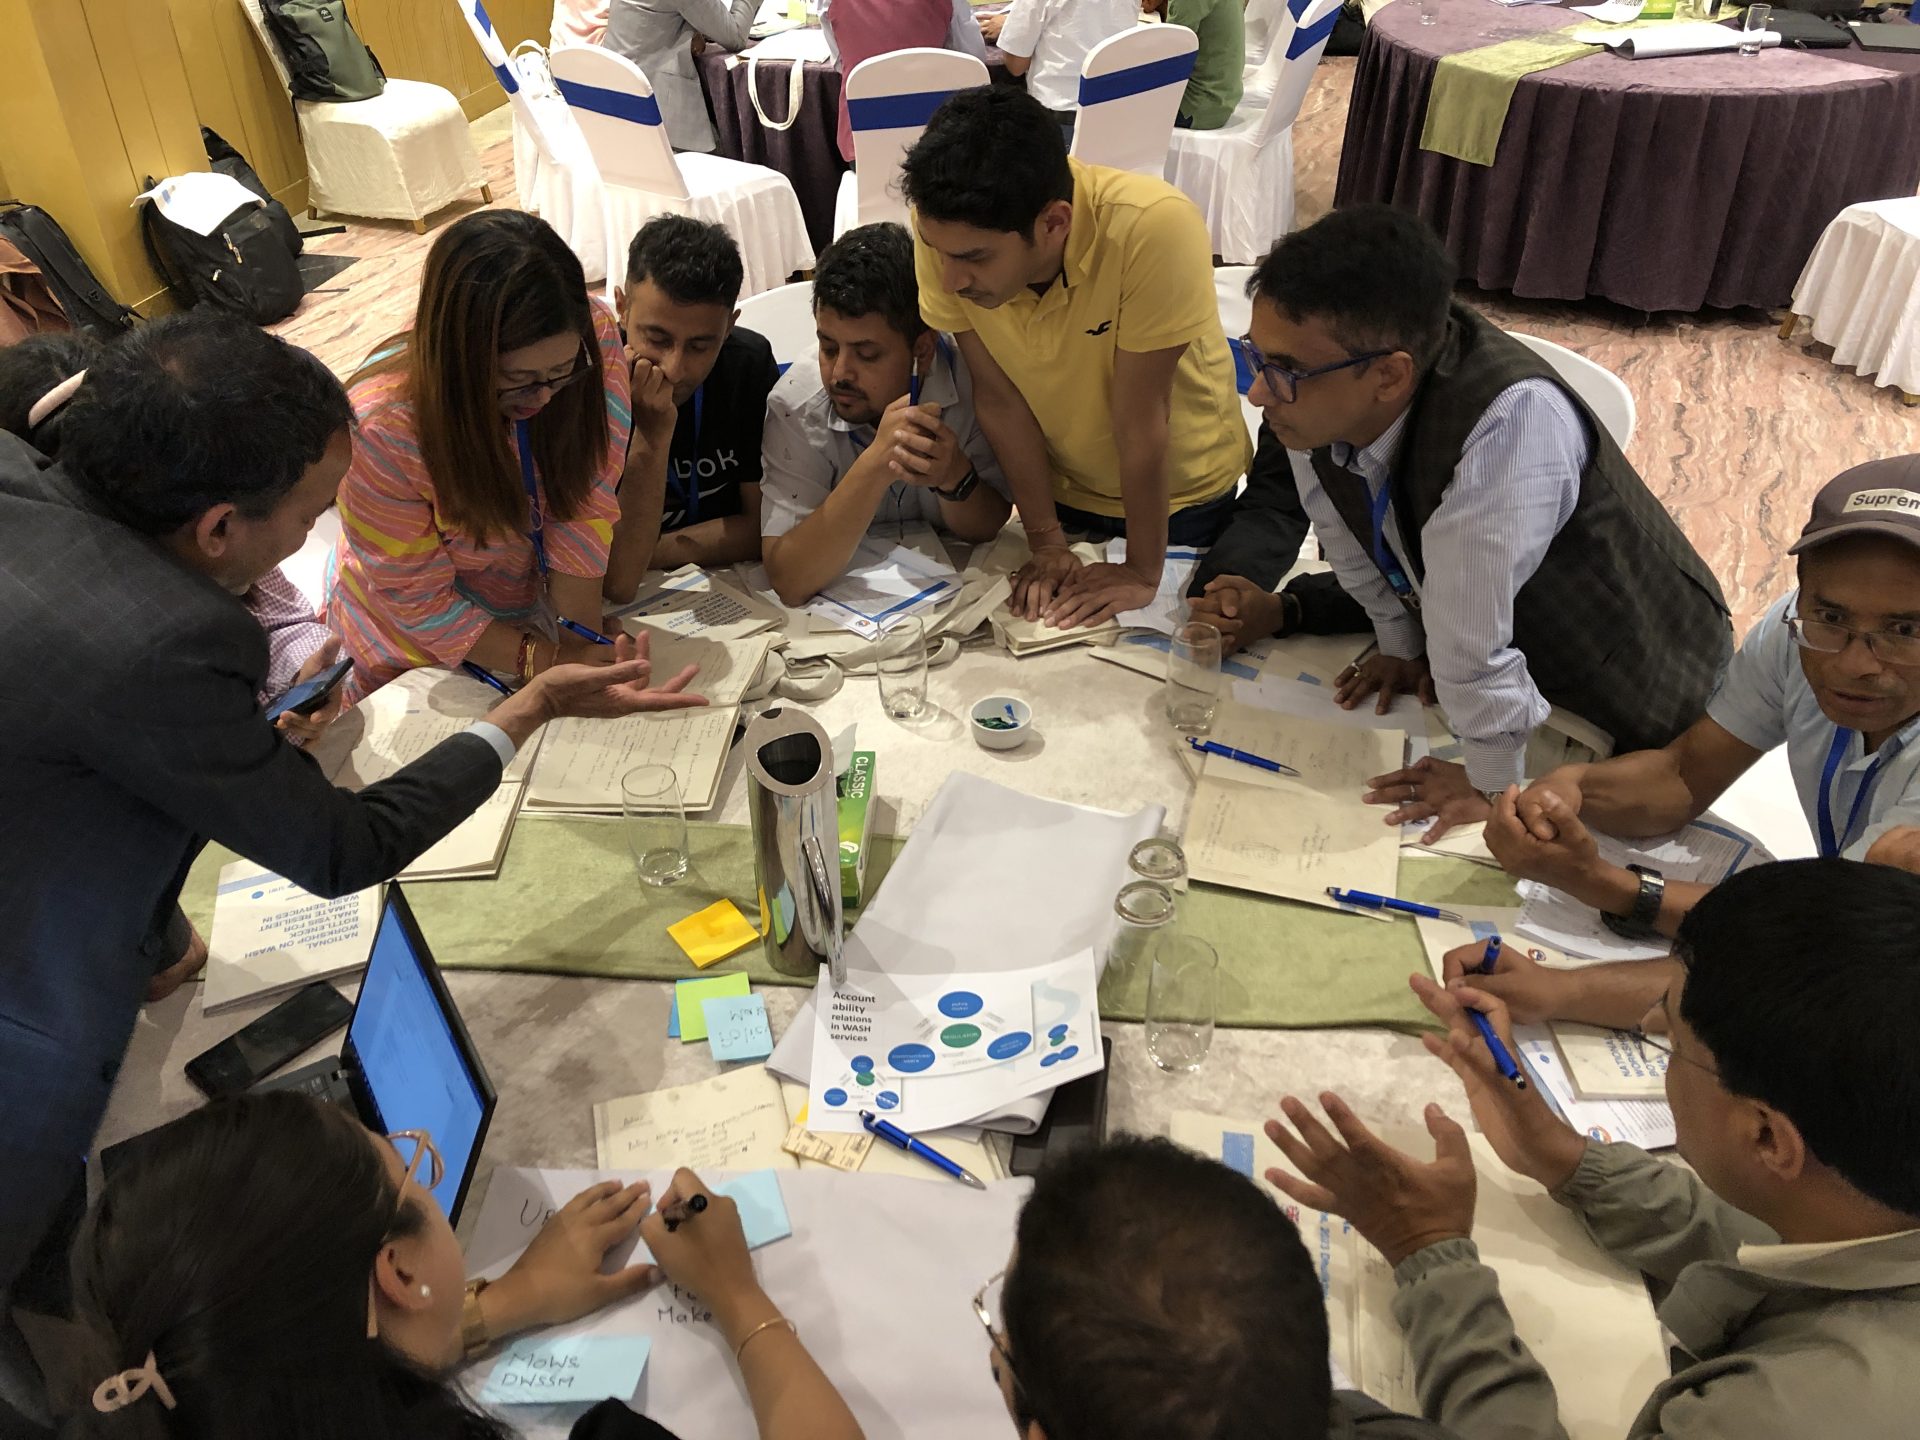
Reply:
x=1662, y=184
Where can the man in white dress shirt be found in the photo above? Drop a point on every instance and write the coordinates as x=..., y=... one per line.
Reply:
x=1047, y=41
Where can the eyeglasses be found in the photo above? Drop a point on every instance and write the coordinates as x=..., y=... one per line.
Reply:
x=554, y=385
x=1285, y=383
x=1826, y=638
x=422, y=1146
x=1645, y=1042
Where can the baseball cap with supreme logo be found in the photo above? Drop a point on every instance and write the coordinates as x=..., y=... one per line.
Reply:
x=1881, y=497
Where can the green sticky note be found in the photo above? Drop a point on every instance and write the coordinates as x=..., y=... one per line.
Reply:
x=691, y=996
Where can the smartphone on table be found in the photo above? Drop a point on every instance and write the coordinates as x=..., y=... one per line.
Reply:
x=292, y=1027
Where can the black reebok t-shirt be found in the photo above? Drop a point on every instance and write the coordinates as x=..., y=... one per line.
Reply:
x=726, y=416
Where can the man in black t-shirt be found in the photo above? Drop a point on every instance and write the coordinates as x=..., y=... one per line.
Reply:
x=700, y=387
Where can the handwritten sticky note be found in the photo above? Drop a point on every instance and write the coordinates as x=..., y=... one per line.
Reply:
x=709, y=936
x=567, y=1370
x=690, y=995
x=737, y=1028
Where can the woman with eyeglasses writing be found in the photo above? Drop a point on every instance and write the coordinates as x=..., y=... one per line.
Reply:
x=272, y=1268
x=481, y=506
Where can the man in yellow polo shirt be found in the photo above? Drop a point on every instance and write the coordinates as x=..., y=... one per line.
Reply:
x=1083, y=301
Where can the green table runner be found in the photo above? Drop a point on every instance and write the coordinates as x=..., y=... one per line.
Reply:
x=567, y=902
x=1467, y=105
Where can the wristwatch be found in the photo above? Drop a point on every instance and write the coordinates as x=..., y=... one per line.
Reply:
x=1638, y=922
x=963, y=489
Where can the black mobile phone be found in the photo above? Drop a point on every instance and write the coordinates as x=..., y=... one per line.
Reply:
x=295, y=1024
x=1076, y=1118
x=309, y=695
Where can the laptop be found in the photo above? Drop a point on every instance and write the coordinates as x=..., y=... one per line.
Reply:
x=408, y=1062
x=1898, y=35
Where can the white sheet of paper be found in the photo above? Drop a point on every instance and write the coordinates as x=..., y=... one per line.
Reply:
x=1660, y=40
x=735, y=1121
x=581, y=761
x=1316, y=702
x=403, y=720
x=1614, y=12
x=1647, y=1123
x=692, y=602
x=1168, y=609
x=269, y=935
x=727, y=667
x=474, y=848
x=879, y=1277
x=1610, y=1064
x=1570, y=1301
x=884, y=584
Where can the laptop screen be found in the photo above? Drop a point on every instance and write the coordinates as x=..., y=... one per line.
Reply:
x=411, y=1057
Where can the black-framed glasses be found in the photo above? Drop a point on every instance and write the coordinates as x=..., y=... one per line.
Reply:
x=1645, y=1042
x=552, y=384
x=1826, y=638
x=1285, y=383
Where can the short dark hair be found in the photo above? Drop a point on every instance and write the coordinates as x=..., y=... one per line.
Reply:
x=1158, y=1295
x=870, y=271
x=694, y=262
x=1802, y=979
x=991, y=158
x=30, y=368
x=1377, y=276
x=197, y=410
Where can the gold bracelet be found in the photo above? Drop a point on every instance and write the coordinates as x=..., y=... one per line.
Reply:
x=473, y=1322
x=763, y=1325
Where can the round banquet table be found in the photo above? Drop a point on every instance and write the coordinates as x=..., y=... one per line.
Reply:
x=1662, y=184
x=807, y=152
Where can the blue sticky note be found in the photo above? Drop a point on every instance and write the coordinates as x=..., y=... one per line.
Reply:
x=737, y=1028
x=673, y=1017
x=567, y=1370
x=763, y=1211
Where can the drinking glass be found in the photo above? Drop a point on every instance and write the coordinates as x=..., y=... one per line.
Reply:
x=900, y=661
x=1753, y=27
x=1193, y=677
x=1429, y=12
x=1142, y=912
x=656, y=824
x=1182, y=996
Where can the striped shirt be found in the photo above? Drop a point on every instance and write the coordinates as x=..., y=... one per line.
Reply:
x=406, y=589
x=1514, y=489
x=294, y=633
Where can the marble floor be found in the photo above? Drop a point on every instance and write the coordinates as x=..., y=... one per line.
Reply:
x=1737, y=428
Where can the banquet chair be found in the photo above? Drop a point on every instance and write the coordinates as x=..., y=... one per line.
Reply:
x=1241, y=176
x=1605, y=393
x=1267, y=24
x=784, y=315
x=640, y=176
x=400, y=155
x=1260, y=81
x=1236, y=318
x=543, y=132
x=1131, y=85
x=1860, y=292
x=889, y=100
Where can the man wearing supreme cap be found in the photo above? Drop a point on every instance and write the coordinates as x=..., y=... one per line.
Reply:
x=1832, y=672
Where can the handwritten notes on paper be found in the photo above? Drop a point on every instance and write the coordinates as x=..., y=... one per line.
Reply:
x=567, y=1370
x=581, y=761
x=269, y=935
x=727, y=667
x=1292, y=836
x=735, y=1121
x=737, y=1028
x=692, y=602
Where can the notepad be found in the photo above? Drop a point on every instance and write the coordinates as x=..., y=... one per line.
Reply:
x=709, y=936
x=567, y=1370
x=735, y=1121
x=737, y=1028
x=689, y=995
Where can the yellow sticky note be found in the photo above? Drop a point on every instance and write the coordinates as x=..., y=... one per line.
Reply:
x=711, y=935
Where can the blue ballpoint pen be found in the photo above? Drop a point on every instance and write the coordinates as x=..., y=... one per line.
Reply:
x=486, y=677
x=1367, y=901
x=1502, y=1057
x=1245, y=757
x=583, y=632
x=900, y=1140
x=1490, y=955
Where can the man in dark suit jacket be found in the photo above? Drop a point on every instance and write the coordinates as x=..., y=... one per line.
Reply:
x=194, y=459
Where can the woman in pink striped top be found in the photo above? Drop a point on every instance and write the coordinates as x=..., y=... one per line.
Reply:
x=483, y=495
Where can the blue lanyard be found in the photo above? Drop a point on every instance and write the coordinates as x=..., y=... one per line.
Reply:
x=1382, y=556
x=537, y=523
x=690, y=491
x=1830, y=846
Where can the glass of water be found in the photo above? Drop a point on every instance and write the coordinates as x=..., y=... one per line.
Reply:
x=900, y=661
x=1755, y=24
x=1193, y=677
x=1429, y=12
x=1182, y=997
x=656, y=824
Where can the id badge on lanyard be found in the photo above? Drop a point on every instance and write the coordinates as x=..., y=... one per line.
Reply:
x=1383, y=557
x=542, y=616
x=1830, y=844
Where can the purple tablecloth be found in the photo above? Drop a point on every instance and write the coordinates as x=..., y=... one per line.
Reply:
x=807, y=153
x=1667, y=184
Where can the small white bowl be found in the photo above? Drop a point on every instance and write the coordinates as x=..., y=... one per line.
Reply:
x=995, y=707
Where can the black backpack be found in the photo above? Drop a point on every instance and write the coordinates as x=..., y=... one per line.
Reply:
x=225, y=160
x=243, y=267
x=325, y=56
x=87, y=303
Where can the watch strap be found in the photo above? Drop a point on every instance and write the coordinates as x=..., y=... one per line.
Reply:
x=1641, y=920
x=961, y=491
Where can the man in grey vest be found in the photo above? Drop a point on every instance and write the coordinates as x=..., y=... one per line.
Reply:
x=1510, y=558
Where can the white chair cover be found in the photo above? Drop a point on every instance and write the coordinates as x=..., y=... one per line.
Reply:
x=1130, y=90
x=1262, y=18
x=1261, y=79
x=1606, y=393
x=889, y=100
x=784, y=315
x=612, y=102
x=1241, y=176
x=400, y=156
x=542, y=180
x=1861, y=291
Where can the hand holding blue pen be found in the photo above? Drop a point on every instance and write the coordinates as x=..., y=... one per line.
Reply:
x=583, y=632
x=1490, y=956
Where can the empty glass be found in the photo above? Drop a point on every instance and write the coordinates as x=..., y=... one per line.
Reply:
x=1182, y=996
x=1429, y=12
x=1160, y=859
x=1755, y=24
x=1142, y=912
x=900, y=661
x=656, y=824
x=1193, y=677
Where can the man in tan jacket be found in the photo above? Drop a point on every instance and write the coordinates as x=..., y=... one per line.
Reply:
x=1790, y=1269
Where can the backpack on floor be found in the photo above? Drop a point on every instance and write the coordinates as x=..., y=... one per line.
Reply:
x=240, y=265
x=87, y=303
x=326, y=58
x=226, y=160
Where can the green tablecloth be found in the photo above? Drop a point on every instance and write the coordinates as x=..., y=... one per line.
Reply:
x=1467, y=106
x=567, y=902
